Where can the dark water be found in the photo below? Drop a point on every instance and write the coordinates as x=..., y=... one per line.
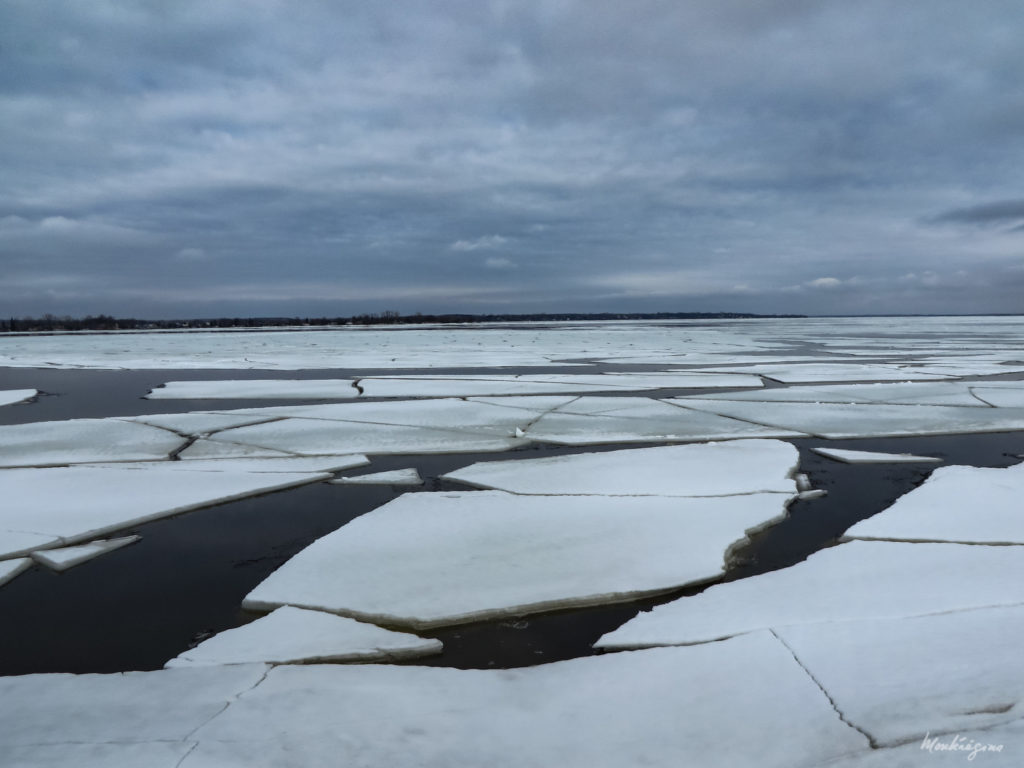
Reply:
x=141, y=605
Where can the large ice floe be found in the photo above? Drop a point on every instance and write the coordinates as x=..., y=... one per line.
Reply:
x=707, y=469
x=290, y=635
x=251, y=389
x=742, y=703
x=882, y=393
x=971, y=505
x=872, y=457
x=58, y=506
x=434, y=559
x=856, y=580
x=51, y=443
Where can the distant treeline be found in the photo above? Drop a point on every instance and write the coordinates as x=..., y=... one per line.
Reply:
x=107, y=323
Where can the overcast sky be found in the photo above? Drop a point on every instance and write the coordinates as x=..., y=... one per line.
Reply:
x=178, y=158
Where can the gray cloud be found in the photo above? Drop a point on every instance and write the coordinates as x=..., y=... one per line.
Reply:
x=198, y=158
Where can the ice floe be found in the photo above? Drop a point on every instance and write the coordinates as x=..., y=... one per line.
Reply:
x=901, y=679
x=392, y=477
x=856, y=580
x=1011, y=395
x=68, y=557
x=149, y=754
x=836, y=421
x=44, y=508
x=899, y=393
x=126, y=708
x=257, y=389
x=706, y=469
x=198, y=423
x=290, y=635
x=11, y=568
x=276, y=464
x=12, y=396
x=51, y=443
x=433, y=559
x=872, y=457
x=800, y=372
x=965, y=504
x=741, y=703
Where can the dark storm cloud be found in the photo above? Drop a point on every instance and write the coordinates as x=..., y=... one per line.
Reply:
x=335, y=157
x=1001, y=212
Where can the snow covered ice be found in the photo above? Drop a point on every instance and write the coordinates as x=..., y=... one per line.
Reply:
x=12, y=396
x=392, y=477
x=434, y=559
x=68, y=557
x=872, y=457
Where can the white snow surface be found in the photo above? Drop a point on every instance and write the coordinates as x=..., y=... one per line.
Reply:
x=12, y=396
x=704, y=469
x=856, y=580
x=290, y=635
x=891, y=393
x=392, y=477
x=899, y=679
x=150, y=754
x=253, y=389
x=1009, y=395
x=69, y=505
x=741, y=703
x=872, y=457
x=837, y=421
x=51, y=443
x=435, y=559
x=63, y=558
x=975, y=505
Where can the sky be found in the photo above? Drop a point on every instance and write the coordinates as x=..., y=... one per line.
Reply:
x=206, y=158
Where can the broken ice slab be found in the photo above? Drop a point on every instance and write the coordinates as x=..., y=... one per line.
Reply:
x=294, y=635
x=434, y=559
x=971, y=505
x=891, y=393
x=130, y=707
x=871, y=457
x=900, y=679
x=277, y=464
x=705, y=469
x=257, y=389
x=392, y=477
x=11, y=568
x=716, y=704
x=592, y=421
x=63, y=558
x=69, y=505
x=836, y=421
x=856, y=580
x=51, y=443
x=799, y=372
x=203, y=449
x=12, y=396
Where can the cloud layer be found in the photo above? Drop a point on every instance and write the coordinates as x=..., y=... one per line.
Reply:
x=196, y=158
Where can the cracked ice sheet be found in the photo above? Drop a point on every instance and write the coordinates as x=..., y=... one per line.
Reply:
x=256, y=389
x=151, y=754
x=1009, y=395
x=741, y=703
x=836, y=421
x=77, y=441
x=970, y=505
x=391, y=477
x=128, y=708
x=434, y=559
x=12, y=396
x=706, y=469
x=800, y=372
x=303, y=464
x=593, y=420
x=898, y=679
x=901, y=393
x=872, y=457
x=856, y=580
x=63, y=558
x=294, y=635
x=197, y=423
x=68, y=505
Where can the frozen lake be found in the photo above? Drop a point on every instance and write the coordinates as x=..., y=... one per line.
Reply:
x=573, y=477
